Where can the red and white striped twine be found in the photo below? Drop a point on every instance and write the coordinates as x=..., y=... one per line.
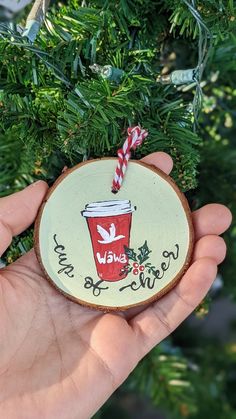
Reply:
x=136, y=136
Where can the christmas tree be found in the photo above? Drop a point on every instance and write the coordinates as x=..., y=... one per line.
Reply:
x=70, y=85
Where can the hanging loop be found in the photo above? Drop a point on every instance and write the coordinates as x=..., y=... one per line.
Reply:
x=136, y=136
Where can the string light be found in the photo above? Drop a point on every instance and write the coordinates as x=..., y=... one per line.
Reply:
x=179, y=77
x=194, y=75
x=108, y=72
x=35, y=19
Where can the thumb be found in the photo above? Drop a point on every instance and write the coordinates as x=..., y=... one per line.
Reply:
x=18, y=211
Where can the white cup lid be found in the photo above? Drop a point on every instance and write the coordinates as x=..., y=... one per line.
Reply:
x=108, y=208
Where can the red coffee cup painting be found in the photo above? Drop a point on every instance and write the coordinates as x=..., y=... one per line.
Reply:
x=109, y=225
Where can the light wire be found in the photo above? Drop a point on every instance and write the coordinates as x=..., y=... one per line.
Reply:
x=204, y=49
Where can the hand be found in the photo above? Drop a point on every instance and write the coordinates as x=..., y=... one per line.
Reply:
x=61, y=360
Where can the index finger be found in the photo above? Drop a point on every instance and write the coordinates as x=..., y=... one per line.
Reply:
x=161, y=160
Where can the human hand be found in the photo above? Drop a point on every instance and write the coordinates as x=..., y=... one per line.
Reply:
x=61, y=360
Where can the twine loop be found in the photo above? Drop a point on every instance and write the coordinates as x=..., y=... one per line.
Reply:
x=136, y=136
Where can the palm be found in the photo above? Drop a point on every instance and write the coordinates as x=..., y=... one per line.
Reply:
x=58, y=359
x=52, y=345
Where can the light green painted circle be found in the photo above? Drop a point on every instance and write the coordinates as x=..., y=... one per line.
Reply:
x=160, y=219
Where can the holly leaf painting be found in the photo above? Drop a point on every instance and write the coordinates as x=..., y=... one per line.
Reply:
x=130, y=253
x=144, y=252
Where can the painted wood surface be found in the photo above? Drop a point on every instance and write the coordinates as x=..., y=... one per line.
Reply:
x=113, y=251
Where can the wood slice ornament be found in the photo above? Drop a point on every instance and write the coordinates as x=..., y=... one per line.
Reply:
x=108, y=251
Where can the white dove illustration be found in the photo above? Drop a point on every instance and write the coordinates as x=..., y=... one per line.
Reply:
x=108, y=237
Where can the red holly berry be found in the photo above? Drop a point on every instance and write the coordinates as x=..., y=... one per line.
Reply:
x=141, y=268
x=135, y=271
x=135, y=265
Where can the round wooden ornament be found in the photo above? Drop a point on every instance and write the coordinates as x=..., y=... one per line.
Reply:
x=108, y=251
